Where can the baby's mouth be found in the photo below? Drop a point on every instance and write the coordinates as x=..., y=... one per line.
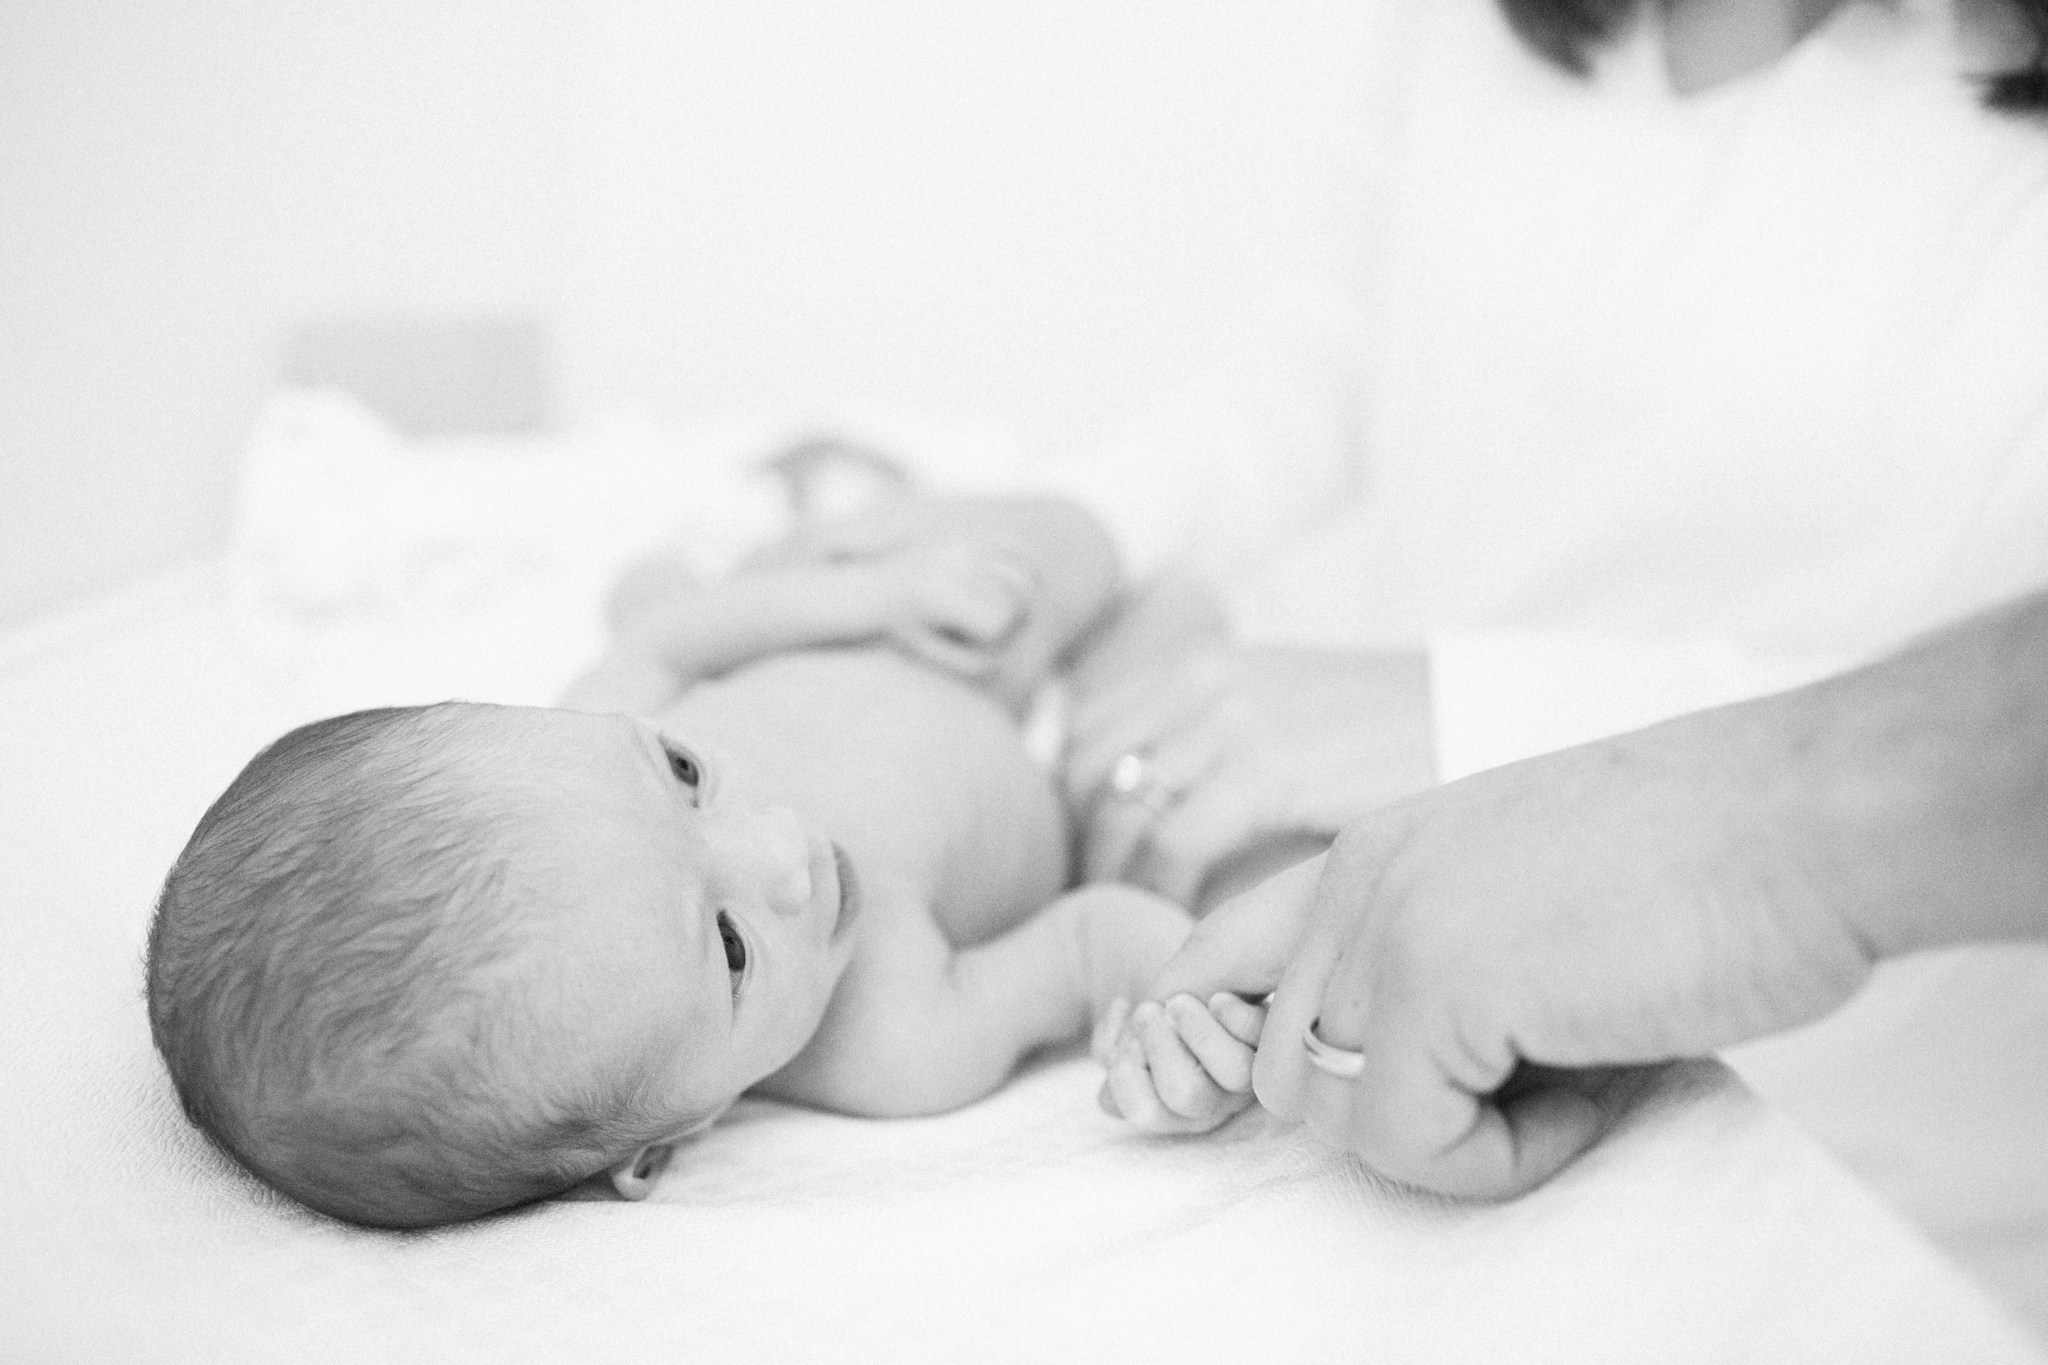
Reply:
x=849, y=891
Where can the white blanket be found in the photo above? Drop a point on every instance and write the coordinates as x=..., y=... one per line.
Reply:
x=1029, y=1227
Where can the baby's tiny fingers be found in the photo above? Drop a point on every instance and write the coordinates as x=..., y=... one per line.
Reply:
x=1108, y=1028
x=949, y=655
x=1245, y=1021
x=1130, y=1089
x=982, y=611
x=1179, y=1080
x=1228, y=1061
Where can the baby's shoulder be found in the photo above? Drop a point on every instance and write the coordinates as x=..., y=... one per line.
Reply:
x=923, y=774
x=873, y=1048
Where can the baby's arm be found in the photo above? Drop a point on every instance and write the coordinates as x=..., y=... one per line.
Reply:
x=932, y=1027
x=1068, y=555
x=950, y=604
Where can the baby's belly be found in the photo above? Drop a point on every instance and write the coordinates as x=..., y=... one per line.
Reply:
x=921, y=777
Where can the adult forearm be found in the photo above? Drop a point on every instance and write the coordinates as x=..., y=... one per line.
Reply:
x=1931, y=769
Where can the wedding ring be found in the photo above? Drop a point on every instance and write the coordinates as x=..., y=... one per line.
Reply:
x=1130, y=775
x=1329, y=1059
x=1131, y=780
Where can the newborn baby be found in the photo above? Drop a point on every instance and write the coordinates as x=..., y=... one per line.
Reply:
x=419, y=964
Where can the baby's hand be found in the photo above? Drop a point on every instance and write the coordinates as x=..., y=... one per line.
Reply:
x=1179, y=1067
x=956, y=603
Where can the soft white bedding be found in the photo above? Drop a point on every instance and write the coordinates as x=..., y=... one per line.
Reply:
x=1028, y=1227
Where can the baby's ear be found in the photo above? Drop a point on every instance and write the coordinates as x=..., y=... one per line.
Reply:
x=634, y=1177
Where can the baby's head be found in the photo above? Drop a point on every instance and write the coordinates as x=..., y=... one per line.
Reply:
x=419, y=964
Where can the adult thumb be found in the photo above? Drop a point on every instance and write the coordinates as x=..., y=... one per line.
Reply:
x=1244, y=944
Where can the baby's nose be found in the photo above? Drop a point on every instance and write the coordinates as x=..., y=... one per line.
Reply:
x=766, y=852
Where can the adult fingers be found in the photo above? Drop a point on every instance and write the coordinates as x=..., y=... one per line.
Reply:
x=1281, y=1069
x=1133, y=718
x=1121, y=824
x=1181, y=762
x=1412, y=1121
x=1243, y=945
x=1136, y=719
x=1239, y=1017
x=1433, y=1098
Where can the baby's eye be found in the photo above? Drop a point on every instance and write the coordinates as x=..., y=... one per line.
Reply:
x=735, y=949
x=684, y=767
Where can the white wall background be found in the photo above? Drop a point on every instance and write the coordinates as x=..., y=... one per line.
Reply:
x=1014, y=216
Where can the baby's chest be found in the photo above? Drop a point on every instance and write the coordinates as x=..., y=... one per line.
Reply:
x=925, y=782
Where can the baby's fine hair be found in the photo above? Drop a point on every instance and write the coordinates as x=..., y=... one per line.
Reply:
x=337, y=990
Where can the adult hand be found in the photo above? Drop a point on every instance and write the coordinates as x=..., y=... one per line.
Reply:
x=1488, y=948
x=1183, y=767
x=1478, y=960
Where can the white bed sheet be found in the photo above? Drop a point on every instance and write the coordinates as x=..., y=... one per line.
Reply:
x=1028, y=1227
